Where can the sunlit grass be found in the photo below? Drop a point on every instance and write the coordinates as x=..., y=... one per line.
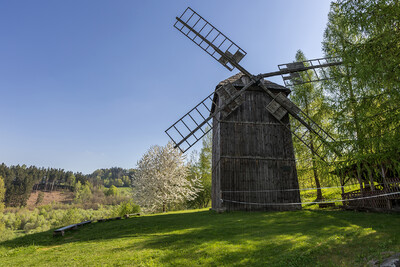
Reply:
x=329, y=194
x=202, y=237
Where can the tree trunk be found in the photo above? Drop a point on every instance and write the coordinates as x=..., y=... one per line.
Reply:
x=316, y=178
x=164, y=207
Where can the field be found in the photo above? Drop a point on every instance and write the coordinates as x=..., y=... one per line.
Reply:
x=64, y=197
x=202, y=237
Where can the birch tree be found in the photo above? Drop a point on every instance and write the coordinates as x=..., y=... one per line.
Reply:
x=162, y=179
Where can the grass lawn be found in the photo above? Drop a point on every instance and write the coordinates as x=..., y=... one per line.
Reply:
x=202, y=237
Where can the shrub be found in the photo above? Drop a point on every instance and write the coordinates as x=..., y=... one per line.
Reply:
x=112, y=191
x=126, y=207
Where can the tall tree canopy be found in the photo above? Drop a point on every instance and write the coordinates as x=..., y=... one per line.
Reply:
x=310, y=98
x=365, y=91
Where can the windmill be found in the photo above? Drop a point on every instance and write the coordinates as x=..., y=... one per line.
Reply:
x=253, y=159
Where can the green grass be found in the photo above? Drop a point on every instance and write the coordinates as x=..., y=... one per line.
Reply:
x=329, y=194
x=202, y=237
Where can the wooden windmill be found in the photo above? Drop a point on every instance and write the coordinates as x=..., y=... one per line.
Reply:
x=252, y=157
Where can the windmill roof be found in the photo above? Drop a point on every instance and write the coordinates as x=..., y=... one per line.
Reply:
x=236, y=81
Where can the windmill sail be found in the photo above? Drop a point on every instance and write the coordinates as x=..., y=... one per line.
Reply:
x=280, y=106
x=292, y=72
x=192, y=126
x=195, y=124
x=209, y=38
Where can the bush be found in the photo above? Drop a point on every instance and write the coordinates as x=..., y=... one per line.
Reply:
x=47, y=217
x=124, y=208
x=112, y=191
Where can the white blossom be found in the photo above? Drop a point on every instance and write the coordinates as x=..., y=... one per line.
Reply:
x=162, y=179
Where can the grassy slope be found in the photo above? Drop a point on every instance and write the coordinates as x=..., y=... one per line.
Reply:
x=301, y=238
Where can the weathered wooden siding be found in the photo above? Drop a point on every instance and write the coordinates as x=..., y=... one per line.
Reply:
x=252, y=151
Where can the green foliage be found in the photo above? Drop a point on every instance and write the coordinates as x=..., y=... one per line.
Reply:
x=112, y=191
x=365, y=91
x=366, y=34
x=2, y=194
x=113, y=176
x=71, y=179
x=204, y=238
x=83, y=193
x=310, y=98
x=46, y=217
x=19, y=180
x=127, y=207
x=201, y=168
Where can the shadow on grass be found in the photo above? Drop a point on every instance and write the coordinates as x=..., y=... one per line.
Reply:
x=275, y=238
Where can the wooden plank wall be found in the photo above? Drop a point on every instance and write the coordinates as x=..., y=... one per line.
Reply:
x=252, y=151
x=215, y=183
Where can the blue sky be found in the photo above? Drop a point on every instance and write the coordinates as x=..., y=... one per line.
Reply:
x=93, y=84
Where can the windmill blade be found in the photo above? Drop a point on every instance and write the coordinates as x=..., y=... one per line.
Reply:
x=195, y=124
x=297, y=73
x=281, y=105
x=316, y=139
x=316, y=143
x=209, y=38
x=192, y=126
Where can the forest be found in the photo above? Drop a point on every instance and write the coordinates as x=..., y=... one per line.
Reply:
x=19, y=181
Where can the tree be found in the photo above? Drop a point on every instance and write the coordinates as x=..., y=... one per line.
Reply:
x=365, y=91
x=112, y=191
x=370, y=39
x=161, y=179
x=310, y=98
x=39, y=198
x=2, y=194
x=118, y=182
x=83, y=193
x=200, y=168
x=70, y=179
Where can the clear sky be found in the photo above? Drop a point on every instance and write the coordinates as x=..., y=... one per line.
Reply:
x=93, y=84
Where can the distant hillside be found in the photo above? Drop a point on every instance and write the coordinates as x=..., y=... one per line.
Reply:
x=113, y=176
x=19, y=180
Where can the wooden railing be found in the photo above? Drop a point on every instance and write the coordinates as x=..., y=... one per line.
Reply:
x=368, y=198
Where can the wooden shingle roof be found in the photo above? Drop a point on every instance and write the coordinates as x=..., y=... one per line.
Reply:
x=236, y=80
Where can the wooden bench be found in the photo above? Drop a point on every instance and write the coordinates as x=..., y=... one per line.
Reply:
x=83, y=223
x=62, y=230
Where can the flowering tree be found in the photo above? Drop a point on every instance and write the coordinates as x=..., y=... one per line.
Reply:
x=162, y=179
